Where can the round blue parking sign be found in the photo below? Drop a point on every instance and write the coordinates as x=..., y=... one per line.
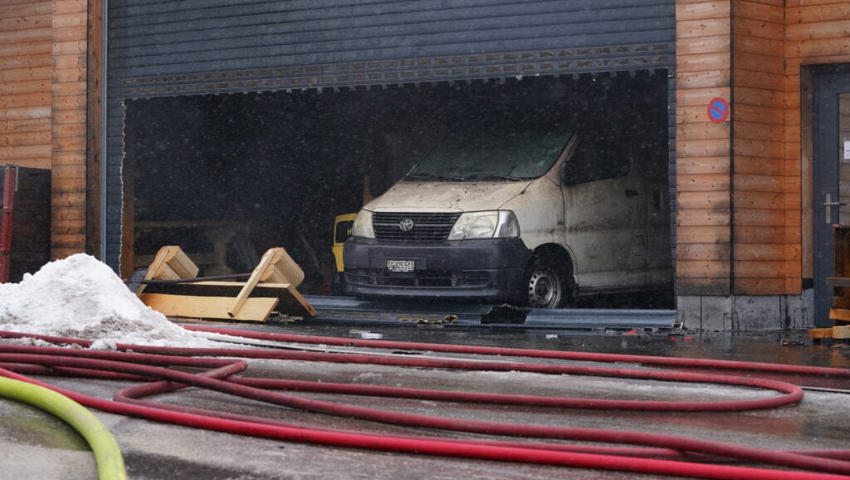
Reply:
x=718, y=110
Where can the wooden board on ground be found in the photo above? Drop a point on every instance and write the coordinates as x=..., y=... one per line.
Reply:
x=820, y=333
x=255, y=309
x=291, y=302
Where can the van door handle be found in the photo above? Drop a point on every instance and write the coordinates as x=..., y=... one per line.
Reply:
x=631, y=193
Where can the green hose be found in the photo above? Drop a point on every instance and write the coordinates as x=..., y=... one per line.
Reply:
x=107, y=454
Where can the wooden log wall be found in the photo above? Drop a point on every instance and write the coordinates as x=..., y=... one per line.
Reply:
x=43, y=105
x=703, y=148
x=766, y=198
x=816, y=32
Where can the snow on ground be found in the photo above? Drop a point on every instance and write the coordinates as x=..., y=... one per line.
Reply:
x=81, y=297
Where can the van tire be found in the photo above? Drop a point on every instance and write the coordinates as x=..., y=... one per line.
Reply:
x=548, y=282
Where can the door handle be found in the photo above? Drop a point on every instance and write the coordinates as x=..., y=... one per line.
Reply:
x=828, y=204
x=631, y=193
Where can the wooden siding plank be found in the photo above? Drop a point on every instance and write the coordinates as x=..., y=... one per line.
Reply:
x=701, y=165
x=818, y=30
x=702, y=234
x=815, y=13
x=759, y=12
x=702, y=252
x=702, y=44
x=701, y=28
x=705, y=10
x=703, y=79
x=711, y=201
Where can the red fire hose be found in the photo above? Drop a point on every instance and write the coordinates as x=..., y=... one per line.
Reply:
x=156, y=364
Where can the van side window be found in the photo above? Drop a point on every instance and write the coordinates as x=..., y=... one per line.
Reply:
x=598, y=157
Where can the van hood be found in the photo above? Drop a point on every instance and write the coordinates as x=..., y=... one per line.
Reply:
x=442, y=196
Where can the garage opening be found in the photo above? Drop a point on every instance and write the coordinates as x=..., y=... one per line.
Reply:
x=229, y=175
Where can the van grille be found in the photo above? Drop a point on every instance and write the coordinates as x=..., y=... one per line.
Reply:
x=427, y=227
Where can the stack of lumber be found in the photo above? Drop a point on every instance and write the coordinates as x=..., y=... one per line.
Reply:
x=840, y=311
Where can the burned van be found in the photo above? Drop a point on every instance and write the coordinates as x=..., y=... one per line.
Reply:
x=533, y=214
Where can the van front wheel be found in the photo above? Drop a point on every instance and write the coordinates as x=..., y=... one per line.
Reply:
x=548, y=284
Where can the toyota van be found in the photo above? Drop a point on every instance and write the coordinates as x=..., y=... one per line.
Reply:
x=533, y=215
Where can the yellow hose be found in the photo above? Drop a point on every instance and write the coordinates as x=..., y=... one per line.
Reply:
x=107, y=454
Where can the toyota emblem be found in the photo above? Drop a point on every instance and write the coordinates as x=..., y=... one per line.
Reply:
x=405, y=225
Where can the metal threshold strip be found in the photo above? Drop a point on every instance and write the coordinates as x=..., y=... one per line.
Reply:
x=382, y=312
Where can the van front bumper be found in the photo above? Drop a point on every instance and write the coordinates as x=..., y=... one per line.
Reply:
x=483, y=269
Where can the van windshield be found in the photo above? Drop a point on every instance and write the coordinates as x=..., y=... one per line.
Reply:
x=492, y=154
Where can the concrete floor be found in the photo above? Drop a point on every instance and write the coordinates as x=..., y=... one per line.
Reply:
x=33, y=445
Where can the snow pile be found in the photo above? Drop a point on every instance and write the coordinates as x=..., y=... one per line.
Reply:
x=81, y=297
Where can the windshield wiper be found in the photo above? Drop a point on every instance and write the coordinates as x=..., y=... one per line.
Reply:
x=492, y=177
x=434, y=176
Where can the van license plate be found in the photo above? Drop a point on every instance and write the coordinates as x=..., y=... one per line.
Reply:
x=400, y=265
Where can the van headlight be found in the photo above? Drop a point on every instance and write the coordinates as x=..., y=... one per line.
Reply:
x=363, y=225
x=489, y=224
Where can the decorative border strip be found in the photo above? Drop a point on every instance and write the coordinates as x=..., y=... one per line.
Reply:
x=411, y=71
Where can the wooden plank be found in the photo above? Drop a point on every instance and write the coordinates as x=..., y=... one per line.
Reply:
x=703, y=44
x=812, y=13
x=94, y=127
x=703, y=61
x=703, y=79
x=283, y=269
x=291, y=302
x=747, y=165
x=702, y=165
x=841, y=331
x=759, y=28
x=257, y=275
x=701, y=28
x=703, y=201
x=703, y=183
x=755, y=113
x=818, y=30
x=255, y=309
x=747, y=182
x=758, y=200
x=820, y=333
x=822, y=47
x=766, y=252
x=758, y=79
x=761, y=286
x=704, y=148
x=839, y=314
x=703, y=217
x=759, y=217
x=762, y=46
x=702, y=234
x=759, y=11
x=702, y=268
x=708, y=10
x=760, y=269
x=701, y=131
x=700, y=96
x=760, y=234
x=759, y=63
x=703, y=251
x=759, y=131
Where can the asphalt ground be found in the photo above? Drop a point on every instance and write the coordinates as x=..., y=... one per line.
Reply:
x=34, y=445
